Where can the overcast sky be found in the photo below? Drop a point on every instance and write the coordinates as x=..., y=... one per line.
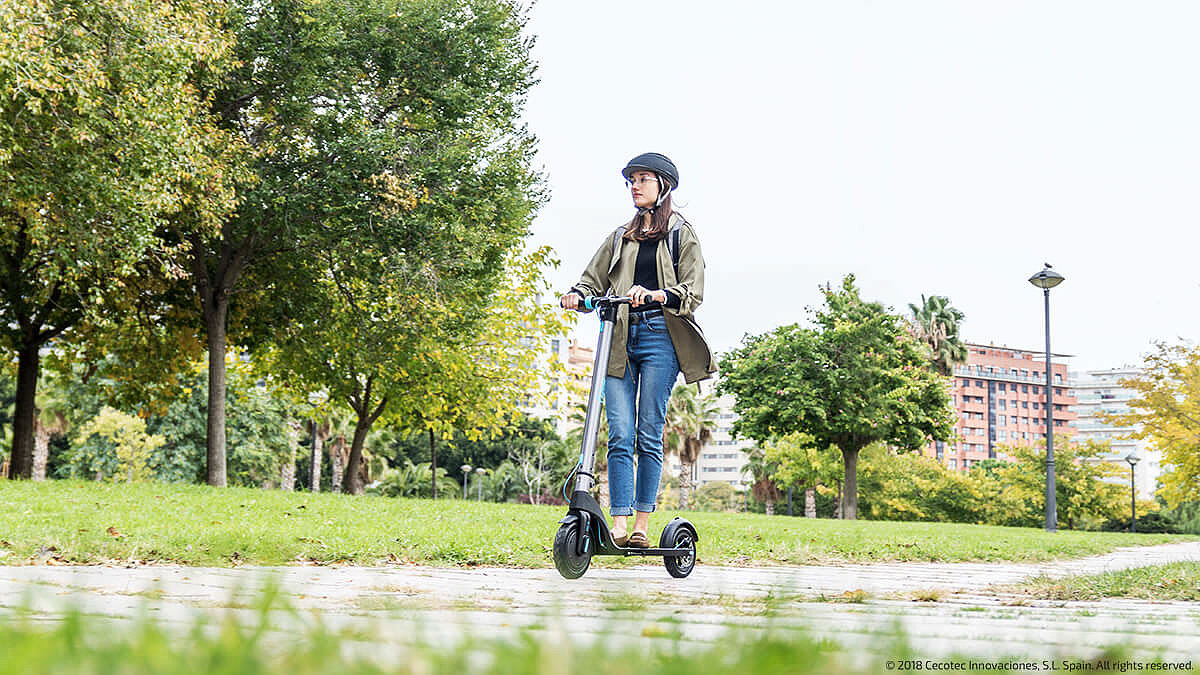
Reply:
x=942, y=148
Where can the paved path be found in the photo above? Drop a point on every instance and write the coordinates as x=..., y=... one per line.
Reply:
x=407, y=603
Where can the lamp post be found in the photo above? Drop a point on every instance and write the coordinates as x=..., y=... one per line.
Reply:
x=479, y=471
x=1132, y=459
x=466, y=469
x=1045, y=280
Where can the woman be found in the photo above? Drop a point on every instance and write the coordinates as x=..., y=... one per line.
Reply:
x=655, y=339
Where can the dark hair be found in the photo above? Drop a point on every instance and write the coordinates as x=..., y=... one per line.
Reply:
x=660, y=219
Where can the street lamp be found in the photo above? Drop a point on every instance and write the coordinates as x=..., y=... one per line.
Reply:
x=1045, y=280
x=466, y=470
x=1132, y=459
x=479, y=471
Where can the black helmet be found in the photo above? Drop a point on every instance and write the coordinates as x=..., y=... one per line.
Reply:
x=653, y=161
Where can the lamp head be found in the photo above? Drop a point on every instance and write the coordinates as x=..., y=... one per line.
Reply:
x=466, y=468
x=1132, y=459
x=1047, y=278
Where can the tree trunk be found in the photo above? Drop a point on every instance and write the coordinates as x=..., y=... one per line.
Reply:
x=685, y=485
x=810, y=503
x=287, y=478
x=41, y=448
x=433, y=463
x=215, y=320
x=770, y=508
x=314, y=474
x=336, y=451
x=28, y=364
x=837, y=506
x=850, y=486
x=352, y=483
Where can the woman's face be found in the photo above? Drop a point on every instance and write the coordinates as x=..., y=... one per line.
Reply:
x=644, y=187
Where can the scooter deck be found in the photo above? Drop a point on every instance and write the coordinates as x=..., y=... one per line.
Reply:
x=661, y=552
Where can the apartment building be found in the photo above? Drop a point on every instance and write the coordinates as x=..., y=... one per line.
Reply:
x=1099, y=392
x=1000, y=398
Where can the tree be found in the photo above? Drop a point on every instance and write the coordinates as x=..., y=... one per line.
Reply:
x=50, y=421
x=132, y=446
x=856, y=378
x=796, y=462
x=102, y=139
x=391, y=123
x=764, y=488
x=691, y=419
x=1167, y=413
x=935, y=322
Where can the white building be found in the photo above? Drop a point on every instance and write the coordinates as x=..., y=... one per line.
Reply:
x=1100, y=391
x=723, y=458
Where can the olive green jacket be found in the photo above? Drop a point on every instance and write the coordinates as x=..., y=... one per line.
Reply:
x=607, y=272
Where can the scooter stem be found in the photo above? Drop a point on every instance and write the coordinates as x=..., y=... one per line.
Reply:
x=591, y=425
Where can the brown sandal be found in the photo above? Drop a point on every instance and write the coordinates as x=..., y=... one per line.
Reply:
x=620, y=541
x=638, y=540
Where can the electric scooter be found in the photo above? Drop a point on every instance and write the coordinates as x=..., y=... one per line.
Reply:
x=584, y=531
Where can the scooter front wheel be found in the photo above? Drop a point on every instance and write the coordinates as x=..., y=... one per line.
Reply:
x=570, y=563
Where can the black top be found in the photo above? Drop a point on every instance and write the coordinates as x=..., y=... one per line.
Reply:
x=645, y=274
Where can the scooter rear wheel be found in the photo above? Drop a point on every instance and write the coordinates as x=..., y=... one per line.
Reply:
x=680, y=567
x=569, y=562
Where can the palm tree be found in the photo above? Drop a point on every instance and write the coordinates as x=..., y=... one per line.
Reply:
x=50, y=420
x=691, y=419
x=764, y=489
x=935, y=322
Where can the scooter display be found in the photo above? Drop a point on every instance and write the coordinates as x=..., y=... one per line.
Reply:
x=584, y=532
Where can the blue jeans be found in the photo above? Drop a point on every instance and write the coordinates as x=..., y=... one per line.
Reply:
x=636, y=405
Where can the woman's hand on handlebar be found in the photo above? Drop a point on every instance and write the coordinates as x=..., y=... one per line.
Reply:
x=570, y=300
x=640, y=296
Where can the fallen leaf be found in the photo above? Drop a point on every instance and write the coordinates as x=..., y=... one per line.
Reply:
x=216, y=522
x=114, y=532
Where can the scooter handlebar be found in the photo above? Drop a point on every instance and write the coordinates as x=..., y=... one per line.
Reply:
x=590, y=302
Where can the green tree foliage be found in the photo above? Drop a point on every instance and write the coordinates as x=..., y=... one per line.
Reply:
x=858, y=377
x=935, y=322
x=797, y=463
x=103, y=137
x=518, y=432
x=905, y=486
x=258, y=426
x=1167, y=413
x=131, y=446
x=717, y=495
x=388, y=165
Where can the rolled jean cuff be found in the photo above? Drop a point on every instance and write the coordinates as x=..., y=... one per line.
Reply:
x=620, y=511
x=643, y=507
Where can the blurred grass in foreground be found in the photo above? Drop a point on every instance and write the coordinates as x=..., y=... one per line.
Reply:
x=82, y=644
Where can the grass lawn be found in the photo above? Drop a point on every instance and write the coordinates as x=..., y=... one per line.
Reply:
x=1173, y=581
x=87, y=522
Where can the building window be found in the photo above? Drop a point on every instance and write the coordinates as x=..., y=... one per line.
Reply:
x=978, y=383
x=1058, y=423
x=1057, y=378
x=1037, y=389
x=1003, y=420
x=1057, y=391
x=954, y=464
x=1003, y=387
x=1035, y=405
x=1025, y=388
x=1003, y=404
x=1003, y=435
x=1025, y=404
